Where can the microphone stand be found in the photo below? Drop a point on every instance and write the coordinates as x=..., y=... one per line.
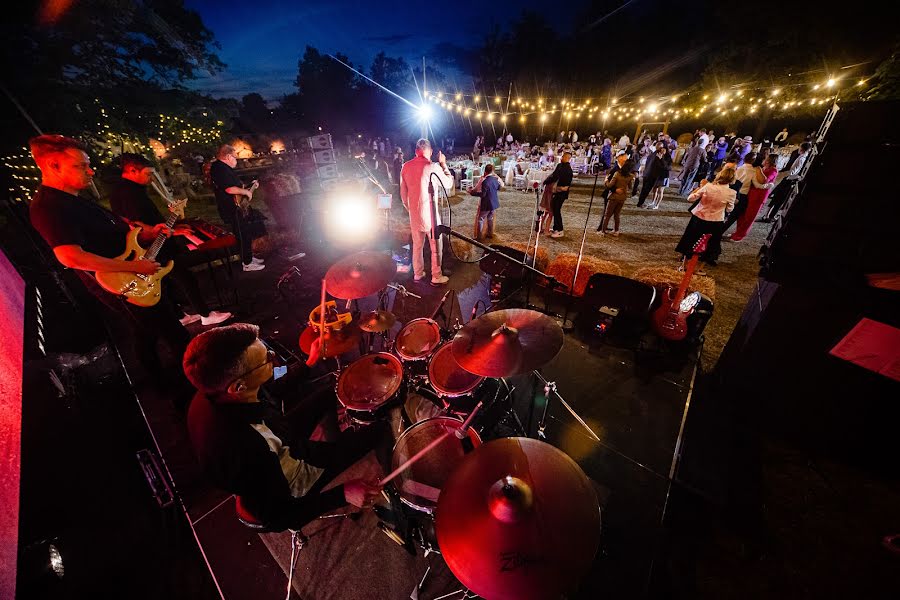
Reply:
x=587, y=219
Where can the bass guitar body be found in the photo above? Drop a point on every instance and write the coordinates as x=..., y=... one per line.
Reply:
x=140, y=290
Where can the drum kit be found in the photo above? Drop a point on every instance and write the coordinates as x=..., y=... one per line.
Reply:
x=512, y=517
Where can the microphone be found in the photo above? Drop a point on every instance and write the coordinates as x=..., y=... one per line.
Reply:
x=440, y=305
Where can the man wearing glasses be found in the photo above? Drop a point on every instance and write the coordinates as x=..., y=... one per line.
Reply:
x=247, y=447
x=227, y=186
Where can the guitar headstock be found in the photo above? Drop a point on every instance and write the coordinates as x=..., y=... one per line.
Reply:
x=700, y=246
x=177, y=207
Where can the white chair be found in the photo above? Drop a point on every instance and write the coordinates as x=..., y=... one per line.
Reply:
x=521, y=181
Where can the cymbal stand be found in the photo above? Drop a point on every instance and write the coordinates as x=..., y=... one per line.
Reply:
x=549, y=391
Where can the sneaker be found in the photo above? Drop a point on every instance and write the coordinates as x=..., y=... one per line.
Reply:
x=439, y=280
x=258, y=261
x=188, y=319
x=557, y=234
x=254, y=267
x=614, y=233
x=419, y=277
x=215, y=318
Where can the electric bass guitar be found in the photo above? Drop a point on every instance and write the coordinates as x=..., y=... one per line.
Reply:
x=139, y=289
x=670, y=319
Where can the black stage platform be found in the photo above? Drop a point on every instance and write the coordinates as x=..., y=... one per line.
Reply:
x=635, y=401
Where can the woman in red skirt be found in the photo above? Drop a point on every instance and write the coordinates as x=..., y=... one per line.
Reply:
x=760, y=186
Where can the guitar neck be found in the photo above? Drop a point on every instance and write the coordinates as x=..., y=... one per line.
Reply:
x=157, y=244
x=682, y=287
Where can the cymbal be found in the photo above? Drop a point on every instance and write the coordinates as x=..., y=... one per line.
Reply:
x=536, y=515
x=507, y=342
x=336, y=342
x=359, y=275
x=377, y=321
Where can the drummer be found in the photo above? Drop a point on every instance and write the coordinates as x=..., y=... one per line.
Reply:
x=248, y=448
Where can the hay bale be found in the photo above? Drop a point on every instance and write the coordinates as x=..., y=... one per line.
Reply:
x=661, y=277
x=464, y=250
x=543, y=257
x=563, y=269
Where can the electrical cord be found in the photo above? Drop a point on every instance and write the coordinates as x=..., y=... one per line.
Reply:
x=446, y=197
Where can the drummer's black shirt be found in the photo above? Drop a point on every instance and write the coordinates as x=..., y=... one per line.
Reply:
x=236, y=458
x=64, y=220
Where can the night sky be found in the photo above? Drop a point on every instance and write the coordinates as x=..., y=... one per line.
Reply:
x=262, y=40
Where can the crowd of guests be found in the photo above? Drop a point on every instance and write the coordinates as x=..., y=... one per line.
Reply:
x=727, y=178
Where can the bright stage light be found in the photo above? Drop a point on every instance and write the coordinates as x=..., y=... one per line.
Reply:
x=351, y=219
x=425, y=113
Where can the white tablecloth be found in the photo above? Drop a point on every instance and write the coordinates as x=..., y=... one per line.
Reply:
x=538, y=175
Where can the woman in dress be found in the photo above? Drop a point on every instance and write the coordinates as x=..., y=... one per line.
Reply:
x=760, y=187
x=708, y=216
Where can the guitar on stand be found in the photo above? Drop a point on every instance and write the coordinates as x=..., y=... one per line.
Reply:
x=670, y=319
x=138, y=289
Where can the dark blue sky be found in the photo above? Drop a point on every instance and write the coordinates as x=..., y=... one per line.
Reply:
x=263, y=39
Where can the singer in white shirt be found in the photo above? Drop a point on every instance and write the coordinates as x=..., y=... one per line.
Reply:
x=414, y=178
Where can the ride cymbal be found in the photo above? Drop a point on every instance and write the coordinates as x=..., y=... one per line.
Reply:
x=507, y=342
x=359, y=275
x=518, y=519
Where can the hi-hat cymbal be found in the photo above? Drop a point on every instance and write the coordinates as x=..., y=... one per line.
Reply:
x=336, y=342
x=377, y=321
x=518, y=519
x=507, y=342
x=359, y=275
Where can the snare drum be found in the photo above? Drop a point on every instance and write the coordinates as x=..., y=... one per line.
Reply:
x=420, y=485
x=370, y=386
x=418, y=339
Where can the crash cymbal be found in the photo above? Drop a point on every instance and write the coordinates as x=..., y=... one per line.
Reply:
x=359, y=275
x=377, y=321
x=336, y=342
x=507, y=342
x=518, y=519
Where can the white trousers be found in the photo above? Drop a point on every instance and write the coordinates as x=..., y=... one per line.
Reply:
x=418, y=257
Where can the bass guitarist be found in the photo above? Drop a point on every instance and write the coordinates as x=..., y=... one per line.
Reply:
x=87, y=238
x=130, y=201
x=231, y=200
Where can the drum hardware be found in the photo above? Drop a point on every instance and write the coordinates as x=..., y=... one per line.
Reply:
x=402, y=290
x=550, y=391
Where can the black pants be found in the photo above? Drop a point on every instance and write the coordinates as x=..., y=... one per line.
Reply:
x=649, y=182
x=739, y=208
x=556, y=203
x=780, y=195
x=185, y=286
x=696, y=228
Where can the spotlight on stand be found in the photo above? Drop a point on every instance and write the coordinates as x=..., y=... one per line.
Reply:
x=425, y=113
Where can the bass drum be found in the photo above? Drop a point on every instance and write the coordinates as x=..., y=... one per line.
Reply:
x=420, y=485
x=370, y=386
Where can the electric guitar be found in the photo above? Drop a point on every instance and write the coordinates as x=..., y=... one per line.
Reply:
x=670, y=319
x=139, y=289
x=243, y=202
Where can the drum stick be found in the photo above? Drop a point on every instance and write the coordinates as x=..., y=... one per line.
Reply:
x=322, y=322
x=414, y=458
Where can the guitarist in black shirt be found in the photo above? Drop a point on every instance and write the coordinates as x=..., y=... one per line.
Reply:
x=230, y=196
x=130, y=201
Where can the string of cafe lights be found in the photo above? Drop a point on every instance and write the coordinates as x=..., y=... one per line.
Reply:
x=172, y=129
x=738, y=100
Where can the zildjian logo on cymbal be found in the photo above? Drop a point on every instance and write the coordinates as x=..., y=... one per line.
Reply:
x=512, y=561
